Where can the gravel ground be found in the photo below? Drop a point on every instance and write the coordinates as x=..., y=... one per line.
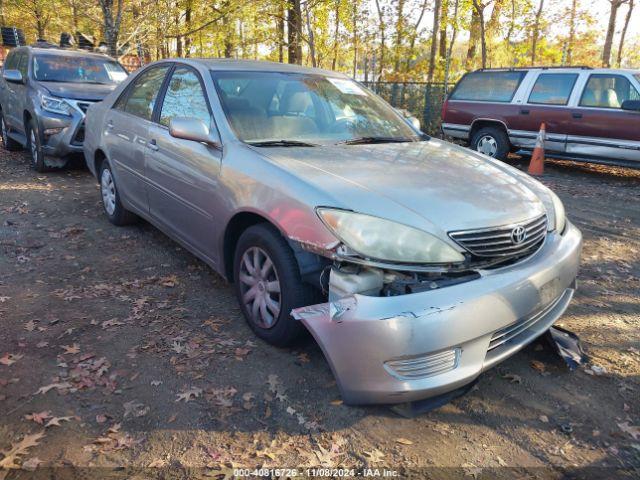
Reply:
x=124, y=356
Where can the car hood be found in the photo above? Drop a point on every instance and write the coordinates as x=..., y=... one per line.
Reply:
x=79, y=91
x=429, y=183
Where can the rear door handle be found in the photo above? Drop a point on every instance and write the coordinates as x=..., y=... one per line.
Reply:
x=576, y=115
x=524, y=112
x=153, y=145
x=109, y=125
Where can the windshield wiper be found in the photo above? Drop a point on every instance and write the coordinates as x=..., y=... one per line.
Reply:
x=282, y=143
x=365, y=140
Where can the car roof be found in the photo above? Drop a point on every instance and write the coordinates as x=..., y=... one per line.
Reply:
x=571, y=69
x=67, y=52
x=230, y=64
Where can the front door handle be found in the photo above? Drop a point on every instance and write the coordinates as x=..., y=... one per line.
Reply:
x=110, y=125
x=153, y=145
x=524, y=112
x=576, y=115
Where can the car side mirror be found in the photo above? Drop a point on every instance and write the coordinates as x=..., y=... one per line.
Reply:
x=190, y=128
x=13, y=76
x=410, y=118
x=632, y=105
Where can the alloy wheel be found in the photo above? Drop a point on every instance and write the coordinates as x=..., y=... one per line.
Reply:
x=260, y=287
x=4, y=131
x=487, y=145
x=108, y=191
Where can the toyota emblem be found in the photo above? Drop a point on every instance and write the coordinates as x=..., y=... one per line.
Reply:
x=518, y=235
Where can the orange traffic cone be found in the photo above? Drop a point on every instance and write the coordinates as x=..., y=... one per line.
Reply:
x=536, y=166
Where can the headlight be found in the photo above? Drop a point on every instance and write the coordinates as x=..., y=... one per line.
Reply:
x=559, y=213
x=55, y=105
x=381, y=239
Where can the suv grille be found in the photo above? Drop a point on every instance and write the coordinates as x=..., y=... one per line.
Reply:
x=503, y=243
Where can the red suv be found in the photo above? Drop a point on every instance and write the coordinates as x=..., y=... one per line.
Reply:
x=591, y=115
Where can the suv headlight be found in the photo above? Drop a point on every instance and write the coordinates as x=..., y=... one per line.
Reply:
x=381, y=239
x=55, y=105
x=558, y=212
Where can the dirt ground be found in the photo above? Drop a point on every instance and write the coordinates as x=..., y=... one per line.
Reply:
x=124, y=356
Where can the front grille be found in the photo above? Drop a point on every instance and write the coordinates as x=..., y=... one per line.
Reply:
x=504, y=242
x=423, y=366
x=78, y=138
x=84, y=106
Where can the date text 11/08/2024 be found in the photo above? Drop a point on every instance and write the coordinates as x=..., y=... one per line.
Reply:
x=315, y=472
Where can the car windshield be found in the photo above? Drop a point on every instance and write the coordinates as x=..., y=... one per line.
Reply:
x=285, y=109
x=62, y=68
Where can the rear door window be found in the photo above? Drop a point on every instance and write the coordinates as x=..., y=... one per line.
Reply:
x=488, y=86
x=144, y=92
x=608, y=91
x=553, y=88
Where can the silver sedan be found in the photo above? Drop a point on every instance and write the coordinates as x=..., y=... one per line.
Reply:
x=415, y=264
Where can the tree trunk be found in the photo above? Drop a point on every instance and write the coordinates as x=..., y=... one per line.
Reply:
x=624, y=33
x=474, y=38
x=536, y=33
x=399, y=35
x=444, y=19
x=312, y=43
x=111, y=23
x=434, y=39
x=294, y=27
x=608, y=42
x=382, y=39
x=335, y=35
x=494, y=23
x=355, y=37
x=280, y=30
x=447, y=60
x=187, y=21
x=414, y=36
x=572, y=33
x=479, y=8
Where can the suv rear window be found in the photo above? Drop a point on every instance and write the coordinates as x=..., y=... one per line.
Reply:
x=488, y=86
x=553, y=88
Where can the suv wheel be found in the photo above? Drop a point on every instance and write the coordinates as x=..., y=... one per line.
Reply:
x=116, y=213
x=8, y=143
x=268, y=285
x=35, y=148
x=491, y=141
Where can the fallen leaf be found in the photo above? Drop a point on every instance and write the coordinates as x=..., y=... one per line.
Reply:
x=39, y=418
x=30, y=326
x=19, y=449
x=404, y=441
x=513, y=377
x=55, y=421
x=155, y=383
x=71, y=350
x=32, y=464
x=193, y=392
x=337, y=402
x=303, y=358
x=10, y=359
x=544, y=418
x=274, y=382
x=375, y=455
x=58, y=386
x=135, y=409
x=538, y=365
x=42, y=344
x=101, y=418
x=159, y=463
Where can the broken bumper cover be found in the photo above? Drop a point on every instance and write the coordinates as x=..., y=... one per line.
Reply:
x=410, y=347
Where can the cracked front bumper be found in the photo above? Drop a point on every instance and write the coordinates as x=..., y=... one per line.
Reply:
x=410, y=347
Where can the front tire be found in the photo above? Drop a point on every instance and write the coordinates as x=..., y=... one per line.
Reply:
x=9, y=144
x=34, y=145
x=491, y=141
x=268, y=285
x=116, y=213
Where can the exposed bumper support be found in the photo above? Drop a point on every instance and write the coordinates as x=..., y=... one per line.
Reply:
x=409, y=347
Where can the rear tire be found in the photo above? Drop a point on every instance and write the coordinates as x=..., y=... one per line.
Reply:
x=116, y=213
x=491, y=141
x=9, y=143
x=268, y=285
x=34, y=146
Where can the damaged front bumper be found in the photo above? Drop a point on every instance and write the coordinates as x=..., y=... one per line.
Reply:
x=410, y=347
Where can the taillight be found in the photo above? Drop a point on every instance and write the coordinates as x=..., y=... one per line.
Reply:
x=444, y=108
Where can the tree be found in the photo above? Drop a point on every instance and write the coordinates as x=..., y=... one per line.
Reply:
x=536, y=32
x=294, y=31
x=479, y=7
x=624, y=33
x=112, y=19
x=572, y=33
x=434, y=39
x=608, y=42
